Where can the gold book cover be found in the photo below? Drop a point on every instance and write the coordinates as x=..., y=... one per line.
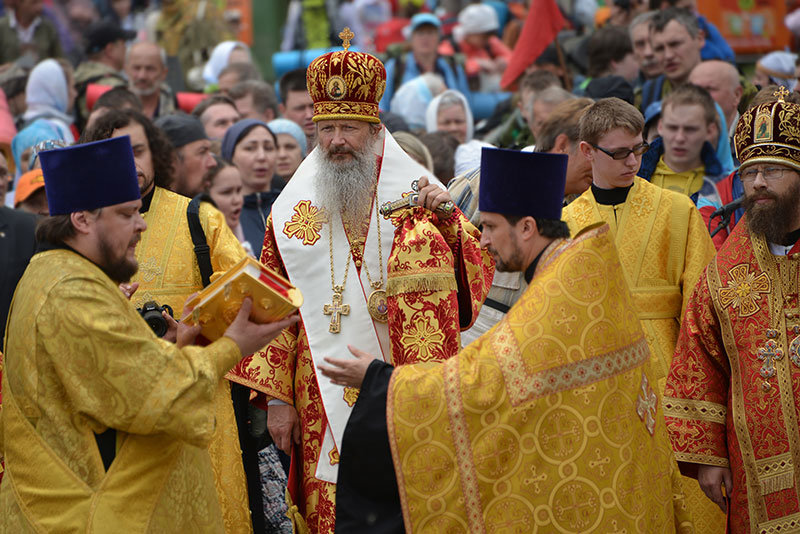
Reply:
x=216, y=306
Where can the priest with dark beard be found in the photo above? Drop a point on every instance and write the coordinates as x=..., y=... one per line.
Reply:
x=731, y=399
x=400, y=283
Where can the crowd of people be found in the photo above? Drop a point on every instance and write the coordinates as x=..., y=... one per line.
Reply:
x=549, y=257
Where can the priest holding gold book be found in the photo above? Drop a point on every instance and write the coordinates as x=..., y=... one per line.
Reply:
x=106, y=427
x=400, y=283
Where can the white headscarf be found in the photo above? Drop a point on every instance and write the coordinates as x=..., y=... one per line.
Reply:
x=779, y=66
x=219, y=60
x=432, y=113
x=468, y=156
x=47, y=97
x=412, y=98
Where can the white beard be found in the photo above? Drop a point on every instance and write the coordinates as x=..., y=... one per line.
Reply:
x=347, y=187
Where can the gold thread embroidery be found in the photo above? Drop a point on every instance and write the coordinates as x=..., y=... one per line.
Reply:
x=350, y=396
x=523, y=386
x=744, y=289
x=695, y=409
x=647, y=404
x=306, y=223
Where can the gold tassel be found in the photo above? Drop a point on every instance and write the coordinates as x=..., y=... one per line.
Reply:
x=777, y=482
x=293, y=513
x=421, y=282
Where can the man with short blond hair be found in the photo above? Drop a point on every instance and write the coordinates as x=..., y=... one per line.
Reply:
x=683, y=159
x=661, y=238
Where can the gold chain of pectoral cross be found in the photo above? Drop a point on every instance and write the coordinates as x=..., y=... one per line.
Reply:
x=372, y=284
x=336, y=309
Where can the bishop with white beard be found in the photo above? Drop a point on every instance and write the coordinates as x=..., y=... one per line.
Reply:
x=401, y=286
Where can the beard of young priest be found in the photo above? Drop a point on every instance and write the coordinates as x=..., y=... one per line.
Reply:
x=493, y=417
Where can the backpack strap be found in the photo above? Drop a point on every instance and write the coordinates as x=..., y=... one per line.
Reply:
x=201, y=249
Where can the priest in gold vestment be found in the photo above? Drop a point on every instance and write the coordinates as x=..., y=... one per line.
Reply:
x=398, y=282
x=549, y=422
x=732, y=399
x=169, y=274
x=661, y=239
x=105, y=427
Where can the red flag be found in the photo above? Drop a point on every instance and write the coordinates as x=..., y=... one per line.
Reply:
x=541, y=28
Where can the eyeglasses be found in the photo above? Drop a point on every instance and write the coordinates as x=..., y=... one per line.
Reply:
x=769, y=173
x=623, y=153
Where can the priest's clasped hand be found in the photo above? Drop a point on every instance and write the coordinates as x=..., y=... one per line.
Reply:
x=431, y=196
x=348, y=372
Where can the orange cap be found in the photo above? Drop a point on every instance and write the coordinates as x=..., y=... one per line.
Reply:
x=28, y=184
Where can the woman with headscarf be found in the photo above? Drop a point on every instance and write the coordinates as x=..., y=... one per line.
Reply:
x=450, y=112
x=50, y=96
x=291, y=147
x=776, y=68
x=251, y=146
x=412, y=98
x=223, y=54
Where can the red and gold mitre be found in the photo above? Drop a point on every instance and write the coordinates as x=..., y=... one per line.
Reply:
x=345, y=84
x=770, y=133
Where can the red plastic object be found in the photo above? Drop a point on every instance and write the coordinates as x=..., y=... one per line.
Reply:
x=188, y=101
x=388, y=33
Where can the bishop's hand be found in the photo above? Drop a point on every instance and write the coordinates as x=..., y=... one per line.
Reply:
x=711, y=479
x=348, y=372
x=431, y=196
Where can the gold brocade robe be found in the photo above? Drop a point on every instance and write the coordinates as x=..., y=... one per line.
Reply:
x=168, y=274
x=549, y=422
x=80, y=360
x=663, y=246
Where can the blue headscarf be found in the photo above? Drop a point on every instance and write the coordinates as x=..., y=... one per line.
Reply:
x=285, y=126
x=33, y=134
x=235, y=134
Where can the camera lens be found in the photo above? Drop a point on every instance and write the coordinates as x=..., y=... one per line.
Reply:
x=156, y=322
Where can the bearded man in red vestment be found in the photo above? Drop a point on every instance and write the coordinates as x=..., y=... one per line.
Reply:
x=733, y=392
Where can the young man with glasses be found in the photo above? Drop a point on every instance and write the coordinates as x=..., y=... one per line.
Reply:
x=731, y=399
x=662, y=241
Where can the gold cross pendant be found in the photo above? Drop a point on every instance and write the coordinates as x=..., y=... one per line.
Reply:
x=336, y=309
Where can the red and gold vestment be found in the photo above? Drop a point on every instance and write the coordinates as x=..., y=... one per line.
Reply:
x=733, y=391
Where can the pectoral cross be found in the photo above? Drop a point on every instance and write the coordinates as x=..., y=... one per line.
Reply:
x=336, y=309
x=345, y=35
x=769, y=354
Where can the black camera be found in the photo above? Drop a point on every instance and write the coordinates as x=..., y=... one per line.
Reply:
x=151, y=313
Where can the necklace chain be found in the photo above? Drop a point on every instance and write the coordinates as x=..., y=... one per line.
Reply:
x=340, y=288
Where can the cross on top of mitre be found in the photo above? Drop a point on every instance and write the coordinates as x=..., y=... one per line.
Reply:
x=345, y=35
x=781, y=93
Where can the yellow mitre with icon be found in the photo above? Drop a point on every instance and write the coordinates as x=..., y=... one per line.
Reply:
x=345, y=84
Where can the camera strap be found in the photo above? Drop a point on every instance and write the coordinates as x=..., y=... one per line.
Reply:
x=201, y=248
